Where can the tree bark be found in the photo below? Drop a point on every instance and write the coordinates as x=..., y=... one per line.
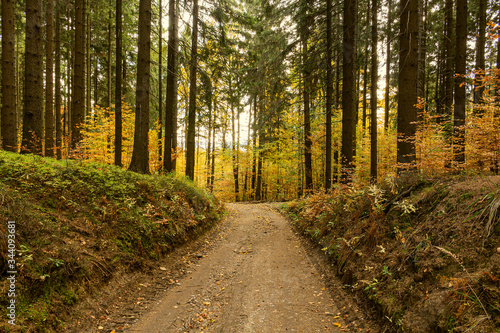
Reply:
x=373, y=95
x=78, y=98
x=118, y=84
x=49, y=81
x=88, y=61
x=306, y=81
x=329, y=97
x=58, y=91
x=33, y=80
x=388, y=67
x=480, y=61
x=191, y=129
x=408, y=85
x=9, y=98
x=109, y=74
x=254, y=146
x=449, y=73
x=160, y=84
x=171, y=98
x=140, y=153
x=233, y=145
x=349, y=94
x=460, y=72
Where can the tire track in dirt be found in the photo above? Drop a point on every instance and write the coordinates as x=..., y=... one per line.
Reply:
x=259, y=278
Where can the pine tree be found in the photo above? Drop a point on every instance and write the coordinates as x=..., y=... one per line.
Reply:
x=329, y=96
x=49, y=82
x=171, y=91
x=78, y=91
x=118, y=83
x=460, y=71
x=140, y=153
x=373, y=94
x=9, y=99
x=33, y=80
x=408, y=85
x=349, y=94
x=191, y=128
x=58, y=91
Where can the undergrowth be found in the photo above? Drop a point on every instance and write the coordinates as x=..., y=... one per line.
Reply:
x=423, y=251
x=80, y=223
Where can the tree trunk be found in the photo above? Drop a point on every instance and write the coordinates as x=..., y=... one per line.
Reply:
x=349, y=94
x=449, y=73
x=422, y=52
x=365, y=82
x=254, y=150
x=233, y=145
x=118, y=85
x=306, y=88
x=408, y=85
x=388, y=67
x=171, y=99
x=109, y=78
x=58, y=91
x=373, y=95
x=88, y=60
x=480, y=61
x=191, y=129
x=33, y=80
x=49, y=80
x=212, y=171
x=460, y=72
x=78, y=98
x=9, y=99
x=329, y=97
x=260, y=152
x=160, y=85
x=209, y=144
x=140, y=153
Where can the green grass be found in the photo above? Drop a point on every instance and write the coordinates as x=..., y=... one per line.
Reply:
x=78, y=221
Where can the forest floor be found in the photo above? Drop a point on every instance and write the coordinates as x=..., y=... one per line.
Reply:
x=251, y=273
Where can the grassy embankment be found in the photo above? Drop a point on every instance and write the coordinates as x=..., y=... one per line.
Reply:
x=78, y=224
x=425, y=252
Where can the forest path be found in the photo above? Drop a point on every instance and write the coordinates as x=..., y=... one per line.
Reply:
x=257, y=278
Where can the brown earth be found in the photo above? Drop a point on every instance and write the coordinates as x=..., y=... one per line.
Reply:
x=250, y=274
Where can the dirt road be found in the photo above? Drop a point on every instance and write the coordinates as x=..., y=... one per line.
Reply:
x=258, y=278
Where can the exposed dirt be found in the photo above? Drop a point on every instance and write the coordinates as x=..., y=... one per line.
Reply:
x=251, y=274
x=424, y=252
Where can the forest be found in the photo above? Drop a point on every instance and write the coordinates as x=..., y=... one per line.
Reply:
x=255, y=99
x=147, y=146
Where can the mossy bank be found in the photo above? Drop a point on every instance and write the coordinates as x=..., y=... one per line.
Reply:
x=78, y=224
x=424, y=252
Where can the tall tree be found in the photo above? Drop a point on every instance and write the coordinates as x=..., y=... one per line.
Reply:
x=306, y=87
x=460, y=71
x=388, y=66
x=449, y=73
x=33, y=80
x=171, y=91
x=9, y=100
x=480, y=60
x=140, y=153
x=191, y=128
x=78, y=98
x=160, y=82
x=329, y=96
x=49, y=79
x=58, y=92
x=118, y=83
x=373, y=94
x=349, y=94
x=408, y=85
